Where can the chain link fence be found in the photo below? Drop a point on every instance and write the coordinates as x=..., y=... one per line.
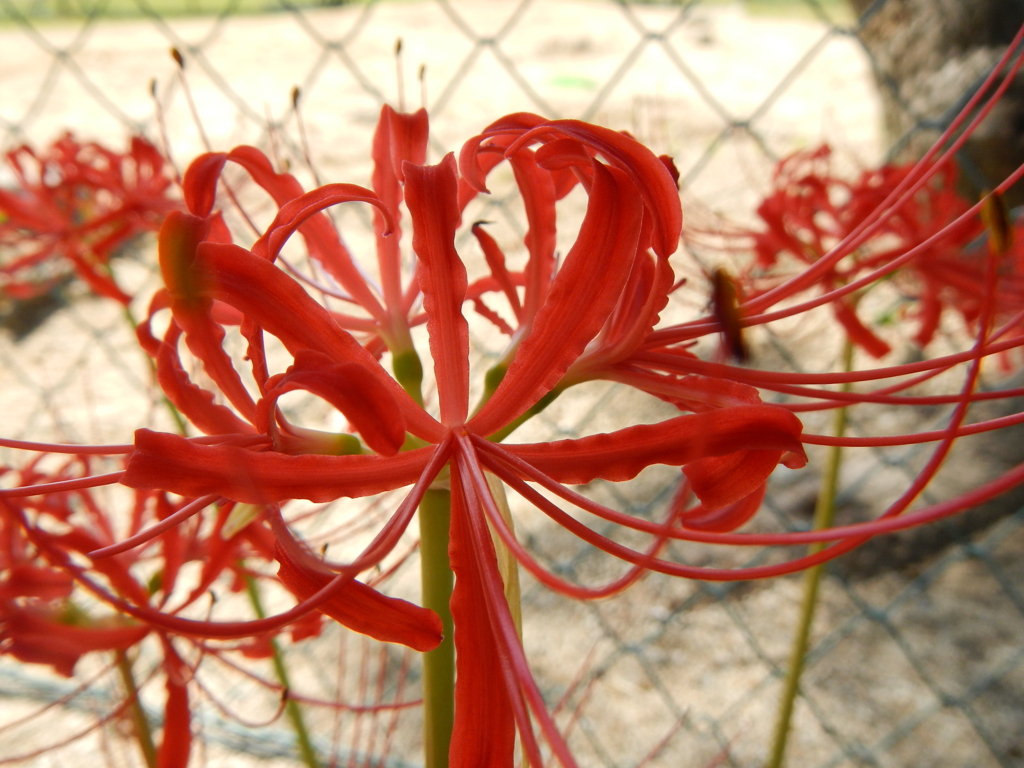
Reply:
x=916, y=657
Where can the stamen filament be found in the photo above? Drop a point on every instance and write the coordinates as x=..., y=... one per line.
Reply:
x=62, y=486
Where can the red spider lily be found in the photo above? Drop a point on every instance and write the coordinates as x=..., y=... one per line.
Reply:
x=811, y=210
x=595, y=314
x=578, y=320
x=72, y=208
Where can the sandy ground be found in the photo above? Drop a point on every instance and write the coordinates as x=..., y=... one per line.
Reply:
x=915, y=667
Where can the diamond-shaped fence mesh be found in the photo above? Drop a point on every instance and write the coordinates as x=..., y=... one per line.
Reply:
x=916, y=657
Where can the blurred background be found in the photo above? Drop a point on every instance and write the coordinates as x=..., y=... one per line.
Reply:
x=916, y=656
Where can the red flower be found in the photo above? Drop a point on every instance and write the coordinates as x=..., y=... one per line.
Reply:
x=73, y=207
x=48, y=612
x=594, y=314
x=577, y=320
x=811, y=211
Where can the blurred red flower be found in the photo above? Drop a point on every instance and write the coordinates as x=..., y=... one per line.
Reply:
x=812, y=210
x=72, y=207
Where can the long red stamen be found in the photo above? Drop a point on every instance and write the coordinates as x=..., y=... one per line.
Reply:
x=62, y=486
x=77, y=450
x=152, y=532
x=510, y=469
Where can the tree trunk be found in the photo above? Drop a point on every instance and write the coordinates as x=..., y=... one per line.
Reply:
x=929, y=56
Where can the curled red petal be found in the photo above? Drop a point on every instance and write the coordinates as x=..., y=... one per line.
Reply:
x=431, y=192
x=352, y=390
x=196, y=404
x=172, y=463
x=722, y=480
x=180, y=236
x=484, y=731
x=477, y=158
x=200, y=182
x=727, y=518
x=582, y=297
x=321, y=237
x=858, y=333
x=296, y=212
x=282, y=308
x=398, y=137
x=564, y=154
x=538, y=191
x=36, y=637
x=621, y=455
x=144, y=331
x=200, y=185
x=652, y=178
x=25, y=580
x=190, y=288
x=363, y=609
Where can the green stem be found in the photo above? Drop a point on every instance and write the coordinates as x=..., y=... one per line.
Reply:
x=438, y=664
x=823, y=515
x=536, y=408
x=409, y=373
x=140, y=723
x=291, y=707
